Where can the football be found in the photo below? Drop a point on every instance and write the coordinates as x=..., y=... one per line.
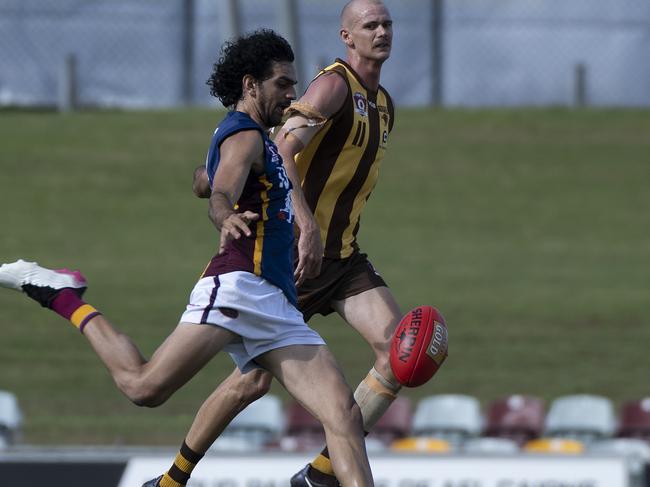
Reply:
x=419, y=346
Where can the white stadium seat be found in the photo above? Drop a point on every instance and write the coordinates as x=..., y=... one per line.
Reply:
x=11, y=418
x=490, y=446
x=260, y=424
x=636, y=451
x=627, y=447
x=375, y=445
x=582, y=417
x=452, y=417
x=237, y=444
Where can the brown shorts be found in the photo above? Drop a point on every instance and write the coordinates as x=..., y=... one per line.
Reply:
x=338, y=279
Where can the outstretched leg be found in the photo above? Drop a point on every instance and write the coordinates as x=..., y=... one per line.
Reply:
x=146, y=383
x=150, y=383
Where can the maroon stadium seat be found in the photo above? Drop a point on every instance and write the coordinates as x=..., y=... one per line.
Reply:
x=635, y=419
x=303, y=431
x=395, y=423
x=519, y=418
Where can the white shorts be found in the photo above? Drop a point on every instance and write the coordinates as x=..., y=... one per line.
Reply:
x=254, y=309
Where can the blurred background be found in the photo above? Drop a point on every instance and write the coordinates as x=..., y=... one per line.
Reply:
x=514, y=197
x=149, y=53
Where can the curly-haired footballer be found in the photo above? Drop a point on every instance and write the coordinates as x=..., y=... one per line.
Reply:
x=245, y=302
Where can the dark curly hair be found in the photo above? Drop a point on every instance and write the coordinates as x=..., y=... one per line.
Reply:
x=251, y=54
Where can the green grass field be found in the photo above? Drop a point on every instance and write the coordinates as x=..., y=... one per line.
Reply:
x=529, y=229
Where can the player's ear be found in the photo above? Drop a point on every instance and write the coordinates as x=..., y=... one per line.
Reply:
x=249, y=85
x=346, y=37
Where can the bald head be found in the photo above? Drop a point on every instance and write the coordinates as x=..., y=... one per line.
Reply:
x=367, y=32
x=353, y=11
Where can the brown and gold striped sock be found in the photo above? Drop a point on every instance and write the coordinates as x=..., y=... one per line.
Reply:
x=181, y=471
x=323, y=464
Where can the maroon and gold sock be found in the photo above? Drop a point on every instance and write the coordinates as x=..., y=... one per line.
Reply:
x=68, y=304
x=181, y=470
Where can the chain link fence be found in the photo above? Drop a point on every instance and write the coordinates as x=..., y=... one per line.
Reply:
x=547, y=52
x=158, y=53
x=127, y=53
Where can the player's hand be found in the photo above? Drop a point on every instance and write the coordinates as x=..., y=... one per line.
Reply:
x=310, y=255
x=236, y=225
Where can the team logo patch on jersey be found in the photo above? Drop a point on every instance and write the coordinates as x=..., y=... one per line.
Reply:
x=360, y=104
x=384, y=139
x=275, y=155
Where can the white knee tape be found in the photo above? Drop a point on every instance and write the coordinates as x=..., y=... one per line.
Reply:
x=374, y=395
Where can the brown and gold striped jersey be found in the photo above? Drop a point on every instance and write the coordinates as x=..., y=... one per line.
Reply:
x=340, y=165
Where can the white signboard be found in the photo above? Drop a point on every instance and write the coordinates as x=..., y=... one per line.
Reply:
x=400, y=471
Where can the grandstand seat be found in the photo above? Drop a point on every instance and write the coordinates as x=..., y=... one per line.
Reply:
x=519, y=418
x=629, y=447
x=583, y=417
x=375, y=445
x=563, y=446
x=451, y=417
x=303, y=432
x=634, y=420
x=490, y=446
x=11, y=418
x=418, y=444
x=260, y=425
x=634, y=450
x=228, y=443
x=395, y=423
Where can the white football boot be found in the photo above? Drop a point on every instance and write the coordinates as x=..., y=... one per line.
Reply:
x=40, y=283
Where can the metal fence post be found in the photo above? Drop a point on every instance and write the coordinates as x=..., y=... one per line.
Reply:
x=580, y=86
x=67, y=92
x=187, y=52
x=288, y=12
x=231, y=19
x=437, y=35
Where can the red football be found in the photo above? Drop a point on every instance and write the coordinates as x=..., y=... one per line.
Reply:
x=419, y=346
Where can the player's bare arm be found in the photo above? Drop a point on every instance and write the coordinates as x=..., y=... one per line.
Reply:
x=324, y=97
x=239, y=154
x=200, y=183
x=310, y=247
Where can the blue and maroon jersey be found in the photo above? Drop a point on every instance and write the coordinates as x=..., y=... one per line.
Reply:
x=268, y=252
